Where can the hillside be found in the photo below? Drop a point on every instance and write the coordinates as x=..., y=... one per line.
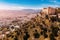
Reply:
x=37, y=28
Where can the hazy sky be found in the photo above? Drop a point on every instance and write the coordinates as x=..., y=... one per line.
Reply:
x=21, y=4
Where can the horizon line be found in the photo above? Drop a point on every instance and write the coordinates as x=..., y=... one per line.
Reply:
x=18, y=7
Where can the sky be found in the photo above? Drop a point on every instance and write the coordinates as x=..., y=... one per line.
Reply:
x=28, y=4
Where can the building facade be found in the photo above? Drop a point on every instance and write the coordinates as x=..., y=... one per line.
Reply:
x=49, y=10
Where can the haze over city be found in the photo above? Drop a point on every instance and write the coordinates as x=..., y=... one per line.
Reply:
x=25, y=4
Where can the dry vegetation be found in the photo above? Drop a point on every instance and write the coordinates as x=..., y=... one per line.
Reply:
x=38, y=28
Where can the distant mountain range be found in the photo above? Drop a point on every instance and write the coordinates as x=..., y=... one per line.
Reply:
x=31, y=10
x=14, y=13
